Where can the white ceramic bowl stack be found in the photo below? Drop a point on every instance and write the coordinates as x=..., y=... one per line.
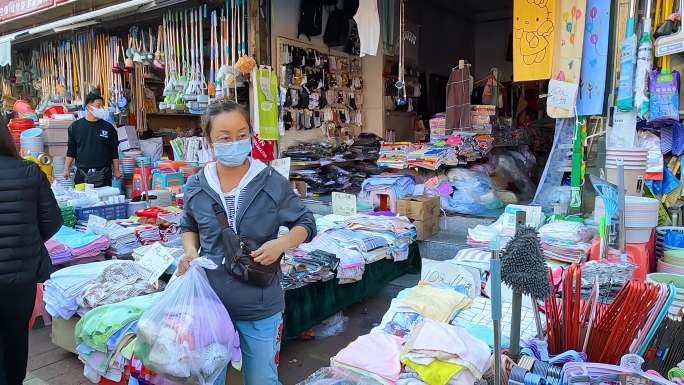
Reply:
x=32, y=141
x=641, y=216
x=634, y=160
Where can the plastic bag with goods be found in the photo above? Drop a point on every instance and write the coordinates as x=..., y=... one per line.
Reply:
x=471, y=192
x=187, y=336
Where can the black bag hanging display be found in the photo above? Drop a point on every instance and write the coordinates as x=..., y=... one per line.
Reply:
x=353, y=46
x=337, y=29
x=310, y=18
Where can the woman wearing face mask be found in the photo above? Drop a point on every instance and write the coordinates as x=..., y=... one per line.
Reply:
x=238, y=196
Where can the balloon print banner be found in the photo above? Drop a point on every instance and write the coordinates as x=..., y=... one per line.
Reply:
x=592, y=90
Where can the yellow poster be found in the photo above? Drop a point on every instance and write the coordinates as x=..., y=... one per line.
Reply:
x=567, y=57
x=533, y=39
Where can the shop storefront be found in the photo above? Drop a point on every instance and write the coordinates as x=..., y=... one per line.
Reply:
x=554, y=123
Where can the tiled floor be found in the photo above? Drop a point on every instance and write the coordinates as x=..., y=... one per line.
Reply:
x=50, y=365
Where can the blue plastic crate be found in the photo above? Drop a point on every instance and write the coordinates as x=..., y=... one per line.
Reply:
x=115, y=211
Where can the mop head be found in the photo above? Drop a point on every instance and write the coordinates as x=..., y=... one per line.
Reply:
x=522, y=265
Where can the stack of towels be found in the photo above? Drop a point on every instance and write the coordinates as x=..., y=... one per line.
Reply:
x=105, y=337
x=64, y=288
x=122, y=239
x=59, y=253
x=76, y=243
x=148, y=234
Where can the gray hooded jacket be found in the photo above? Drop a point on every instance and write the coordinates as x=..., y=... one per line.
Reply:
x=268, y=204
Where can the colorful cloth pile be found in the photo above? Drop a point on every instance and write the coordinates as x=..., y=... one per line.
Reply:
x=62, y=290
x=105, y=335
x=69, y=244
x=566, y=242
x=345, y=245
x=427, y=156
x=148, y=234
x=300, y=267
x=169, y=233
x=122, y=240
x=117, y=283
x=481, y=118
x=416, y=332
x=437, y=350
x=395, y=155
x=59, y=253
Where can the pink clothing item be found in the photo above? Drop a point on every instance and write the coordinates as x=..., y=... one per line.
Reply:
x=376, y=353
x=452, y=343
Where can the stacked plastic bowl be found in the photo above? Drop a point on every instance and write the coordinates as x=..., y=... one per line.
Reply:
x=32, y=141
x=634, y=161
x=641, y=216
x=678, y=281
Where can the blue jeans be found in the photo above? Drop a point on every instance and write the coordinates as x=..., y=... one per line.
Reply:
x=260, y=345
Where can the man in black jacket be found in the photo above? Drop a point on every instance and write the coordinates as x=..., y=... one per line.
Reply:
x=29, y=216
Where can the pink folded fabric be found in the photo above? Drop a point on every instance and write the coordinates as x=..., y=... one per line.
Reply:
x=376, y=353
x=444, y=341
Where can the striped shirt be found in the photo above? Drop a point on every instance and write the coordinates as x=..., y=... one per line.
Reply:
x=232, y=200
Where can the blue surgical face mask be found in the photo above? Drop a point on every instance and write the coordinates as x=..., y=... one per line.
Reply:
x=232, y=154
x=100, y=113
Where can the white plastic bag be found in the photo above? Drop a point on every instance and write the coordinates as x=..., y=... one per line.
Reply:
x=337, y=376
x=187, y=336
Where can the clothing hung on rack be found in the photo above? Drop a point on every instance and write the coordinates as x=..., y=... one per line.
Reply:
x=368, y=23
x=458, y=99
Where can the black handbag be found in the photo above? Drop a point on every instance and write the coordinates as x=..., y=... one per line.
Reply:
x=238, y=255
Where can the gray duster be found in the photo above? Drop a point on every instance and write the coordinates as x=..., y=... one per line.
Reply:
x=268, y=203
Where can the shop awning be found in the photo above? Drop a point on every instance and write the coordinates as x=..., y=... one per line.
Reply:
x=88, y=18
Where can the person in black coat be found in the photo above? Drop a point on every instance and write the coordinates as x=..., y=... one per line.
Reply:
x=29, y=216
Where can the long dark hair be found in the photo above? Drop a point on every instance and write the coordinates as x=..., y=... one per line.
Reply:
x=7, y=147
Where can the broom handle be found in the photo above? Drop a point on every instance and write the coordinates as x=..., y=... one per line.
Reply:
x=495, y=269
x=516, y=307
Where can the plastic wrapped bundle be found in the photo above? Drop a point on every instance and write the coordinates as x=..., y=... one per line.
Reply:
x=188, y=336
x=337, y=376
x=472, y=193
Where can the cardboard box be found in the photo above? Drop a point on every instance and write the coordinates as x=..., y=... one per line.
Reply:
x=420, y=208
x=63, y=333
x=426, y=229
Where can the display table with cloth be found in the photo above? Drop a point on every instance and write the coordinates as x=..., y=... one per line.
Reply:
x=307, y=306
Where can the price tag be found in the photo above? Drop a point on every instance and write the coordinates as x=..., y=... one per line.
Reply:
x=282, y=165
x=623, y=131
x=451, y=274
x=343, y=204
x=156, y=259
x=562, y=95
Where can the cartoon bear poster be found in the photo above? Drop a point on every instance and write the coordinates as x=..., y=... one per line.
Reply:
x=533, y=39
